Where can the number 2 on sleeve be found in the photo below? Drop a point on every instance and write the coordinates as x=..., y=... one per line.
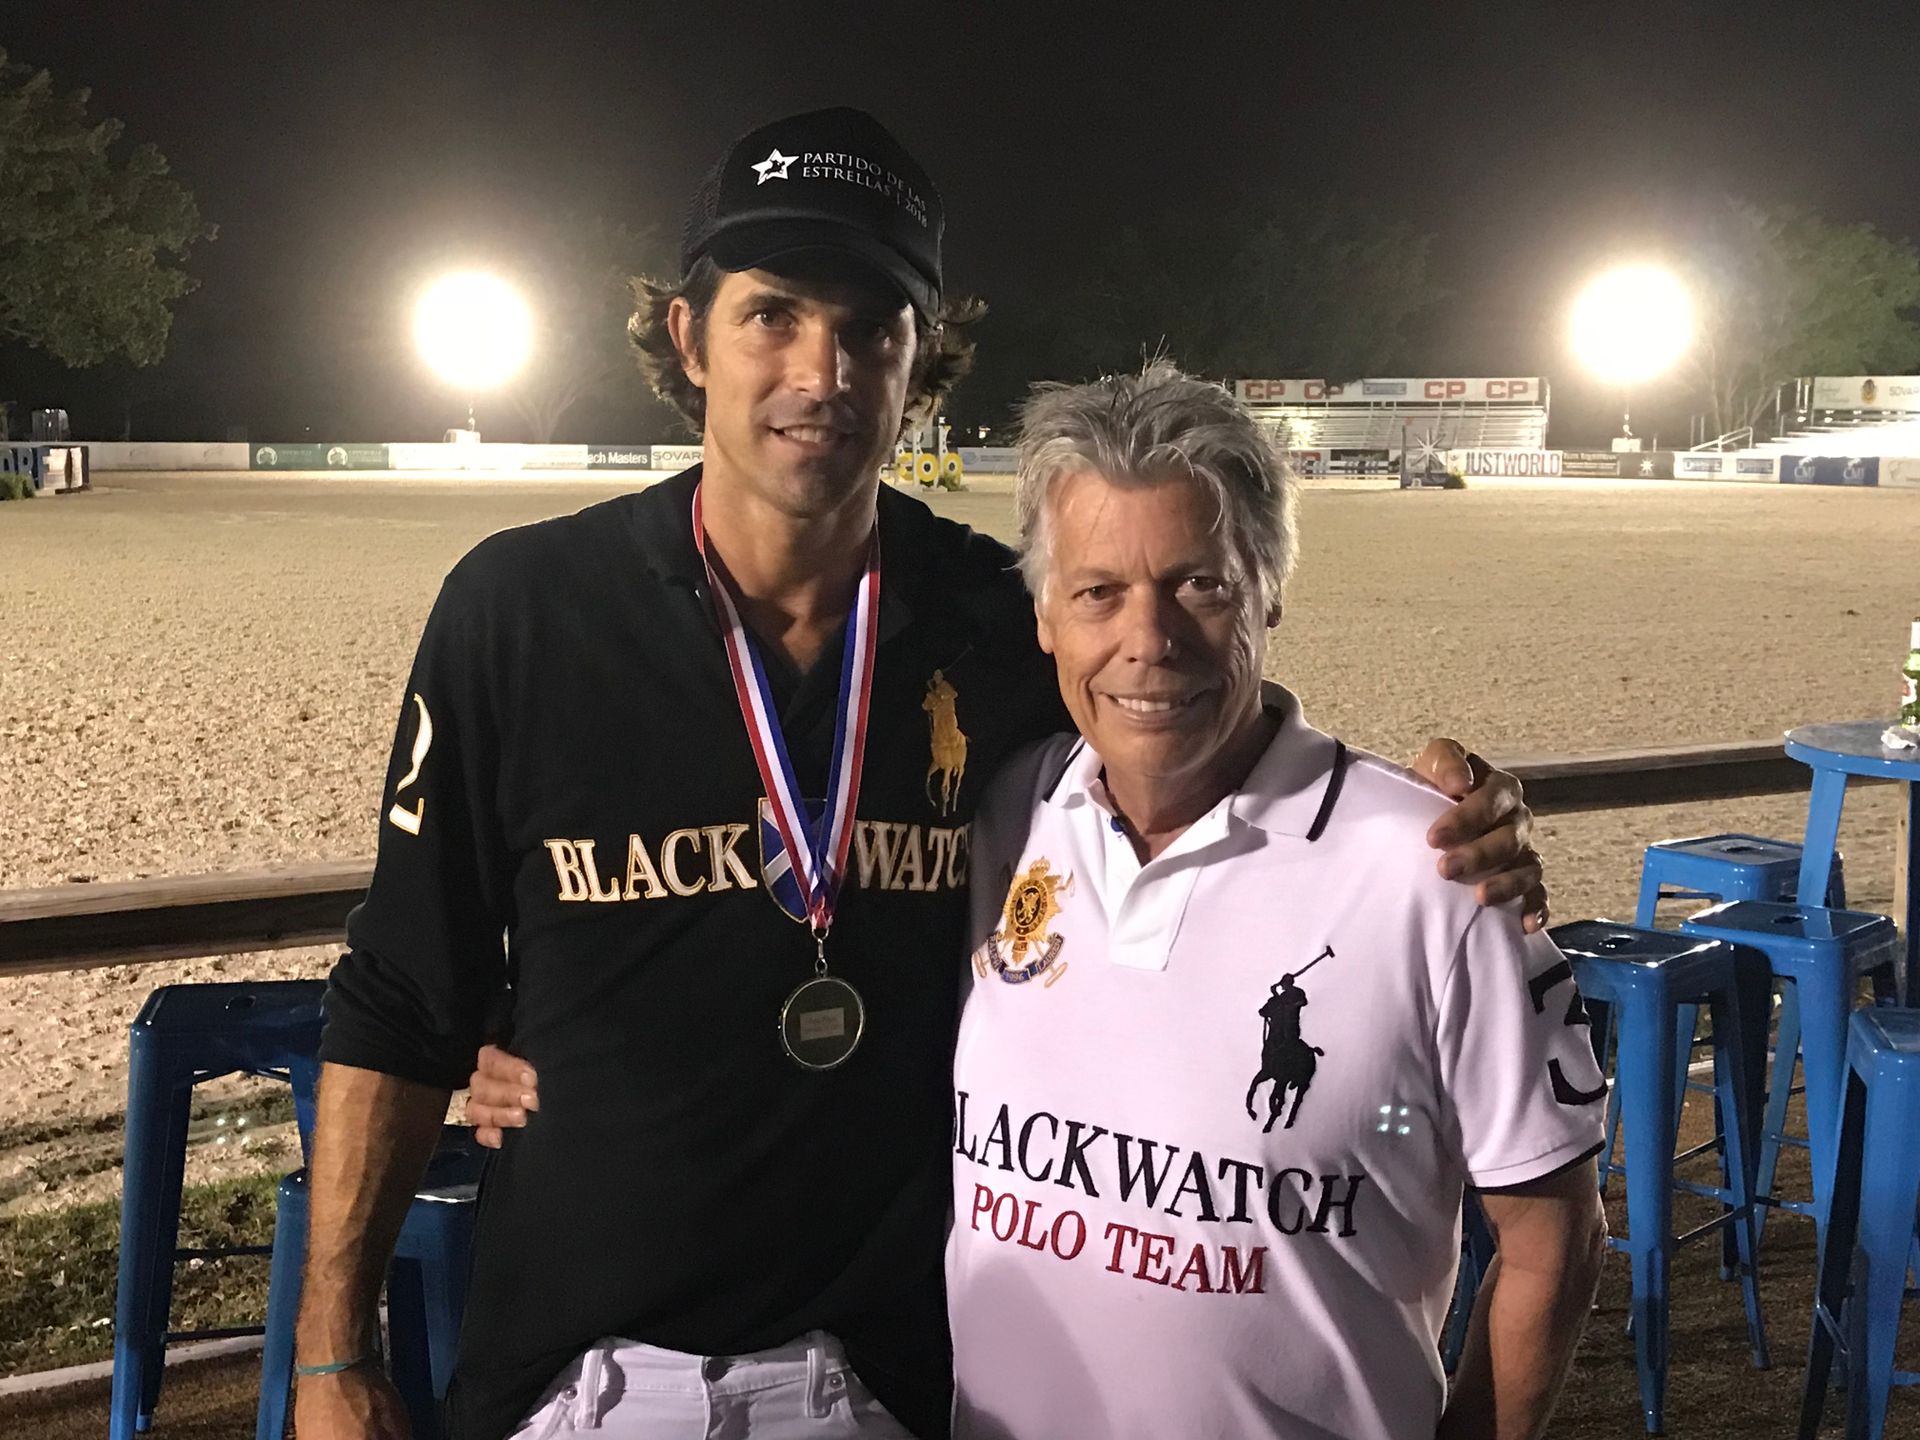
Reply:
x=409, y=820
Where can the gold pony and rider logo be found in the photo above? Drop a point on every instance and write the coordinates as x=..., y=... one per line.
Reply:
x=1022, y=947
x=947, y=763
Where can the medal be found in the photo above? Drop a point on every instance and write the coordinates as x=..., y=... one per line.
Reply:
x=821, y=1023
x=823, y=1020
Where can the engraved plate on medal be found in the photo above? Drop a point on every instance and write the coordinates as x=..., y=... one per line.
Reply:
x=822, y=1022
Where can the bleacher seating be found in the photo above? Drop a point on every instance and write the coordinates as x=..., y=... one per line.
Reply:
x=1390, y=426
x=1890, y=433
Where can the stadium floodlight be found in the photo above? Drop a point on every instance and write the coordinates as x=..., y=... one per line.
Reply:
x=474, y=331
x=1632, y=325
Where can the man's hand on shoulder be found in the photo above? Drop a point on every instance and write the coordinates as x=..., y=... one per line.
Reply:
x=503, y=1091
x=356, y=1404
x=1486, y=837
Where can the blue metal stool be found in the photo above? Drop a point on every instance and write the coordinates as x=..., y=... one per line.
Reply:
x=1716, y=868
x=1633, y=980
x=1867, y=1222
x=1725, y=867
x=1823, y=952
x=426, y=1288
x=184, y=1035
x=1476, y=1255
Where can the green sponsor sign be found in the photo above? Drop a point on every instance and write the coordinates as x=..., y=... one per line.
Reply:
x=318, y=457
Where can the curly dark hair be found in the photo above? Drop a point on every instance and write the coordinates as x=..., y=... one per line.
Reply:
x=943, y=352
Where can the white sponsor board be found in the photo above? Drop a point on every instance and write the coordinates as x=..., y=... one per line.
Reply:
x=990, y=459
x=1495, y=390
x=619, y=457
x=553, y=457
x=167, y=455
x=1280, y=392
x=1900, y=474
x=1539, y=464
x=677, y=457
x=1699, y=464
x=1866, y=392
x=1756, y=467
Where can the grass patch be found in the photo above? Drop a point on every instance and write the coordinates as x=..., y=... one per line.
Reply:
x=57, y=1153
x=269, y=1103
x=58, y=1273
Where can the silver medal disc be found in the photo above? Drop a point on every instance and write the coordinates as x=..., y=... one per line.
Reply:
x=821, y=1023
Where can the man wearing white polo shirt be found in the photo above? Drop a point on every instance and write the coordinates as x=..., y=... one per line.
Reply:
x=1231, y=1048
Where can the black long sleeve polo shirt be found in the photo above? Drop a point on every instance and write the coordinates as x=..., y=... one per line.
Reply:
x=571, y=772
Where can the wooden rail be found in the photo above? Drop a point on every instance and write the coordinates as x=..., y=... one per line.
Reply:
x=76, y=927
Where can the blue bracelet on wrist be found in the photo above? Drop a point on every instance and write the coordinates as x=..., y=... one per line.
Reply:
x=333, y=1368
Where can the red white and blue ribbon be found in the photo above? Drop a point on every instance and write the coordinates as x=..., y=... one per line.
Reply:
x=817, y=847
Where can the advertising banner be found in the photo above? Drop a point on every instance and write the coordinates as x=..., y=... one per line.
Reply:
x=1502, y=390
x=676, y=457
x=1645, y=464
x=1542, y=464
x=553, y=457
x=1829, y=469
x=1756, y=467
x=620, y=457
x=990, y=459
x=1699, y=465
x=1866, y=392
x=1899, y=473
x=319, y=457
x=1280, y=392
x=1589, y=464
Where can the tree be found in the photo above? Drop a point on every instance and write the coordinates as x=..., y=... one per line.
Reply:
x=579, y=273
x=1782, y=293
x=90, y=244
x=1318, y=290
x=1282, y=287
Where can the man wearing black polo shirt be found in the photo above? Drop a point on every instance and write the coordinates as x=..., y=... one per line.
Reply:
x=706, y=757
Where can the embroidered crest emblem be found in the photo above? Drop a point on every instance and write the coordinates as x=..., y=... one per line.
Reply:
x=947, y=742
x=1286, y=1059
x=1021, y=948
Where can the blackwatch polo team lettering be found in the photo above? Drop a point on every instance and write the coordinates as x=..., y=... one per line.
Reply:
x=622, y=796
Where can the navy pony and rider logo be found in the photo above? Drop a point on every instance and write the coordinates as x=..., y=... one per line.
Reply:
x=1287, y=1061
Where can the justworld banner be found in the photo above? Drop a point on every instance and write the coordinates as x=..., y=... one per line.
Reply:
x=1539, y=464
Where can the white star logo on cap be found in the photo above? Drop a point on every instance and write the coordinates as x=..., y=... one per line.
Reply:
x=774, y=167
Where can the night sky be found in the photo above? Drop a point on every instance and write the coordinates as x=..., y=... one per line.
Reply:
x=349, y=151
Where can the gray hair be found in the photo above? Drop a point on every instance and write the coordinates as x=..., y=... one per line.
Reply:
x=1134, y=429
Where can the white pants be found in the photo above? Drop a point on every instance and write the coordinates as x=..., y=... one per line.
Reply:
x=620, y=1390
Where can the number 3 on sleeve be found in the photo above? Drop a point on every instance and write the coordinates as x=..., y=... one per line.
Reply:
x=1564, y=1090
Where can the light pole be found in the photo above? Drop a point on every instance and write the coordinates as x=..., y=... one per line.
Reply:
x=1631, y=325
x=473, y=331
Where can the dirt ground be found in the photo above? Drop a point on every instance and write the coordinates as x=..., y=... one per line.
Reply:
x=203, y=672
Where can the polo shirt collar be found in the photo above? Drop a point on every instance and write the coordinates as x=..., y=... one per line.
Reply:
x=1286, y=793
x=666, y=540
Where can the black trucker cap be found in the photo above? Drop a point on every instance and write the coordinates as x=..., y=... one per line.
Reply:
x=830, y=180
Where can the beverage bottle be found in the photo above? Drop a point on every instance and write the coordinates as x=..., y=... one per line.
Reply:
x=1910, y=699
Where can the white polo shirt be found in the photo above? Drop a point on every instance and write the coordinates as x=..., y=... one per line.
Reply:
x=1134, y=1256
